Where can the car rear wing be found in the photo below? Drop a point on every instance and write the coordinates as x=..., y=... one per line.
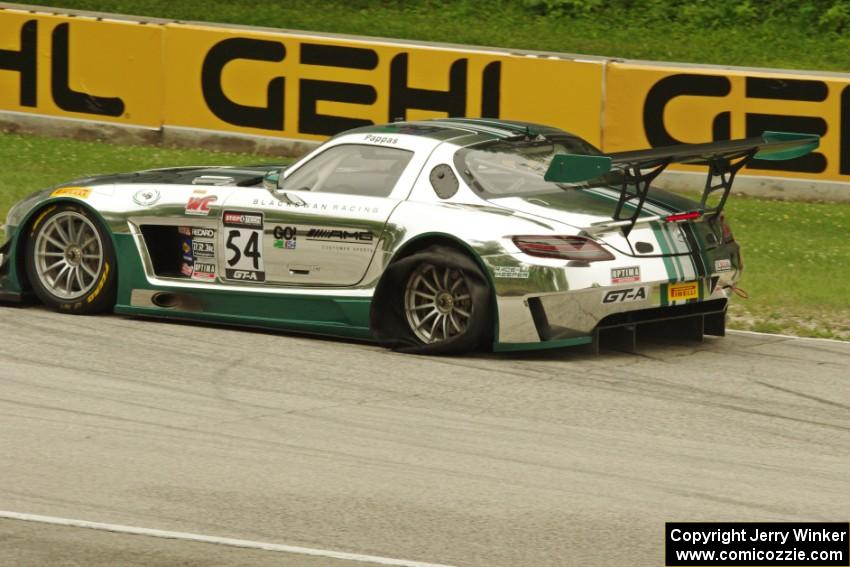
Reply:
x=639, y=168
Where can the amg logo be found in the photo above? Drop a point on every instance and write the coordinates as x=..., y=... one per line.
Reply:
x=322, y=234
x=203, y=232
x=624, y=295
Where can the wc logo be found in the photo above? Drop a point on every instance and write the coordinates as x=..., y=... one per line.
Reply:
x=24, y=61
x=311, y=92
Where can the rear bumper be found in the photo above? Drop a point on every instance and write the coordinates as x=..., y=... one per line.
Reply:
x=581, y=316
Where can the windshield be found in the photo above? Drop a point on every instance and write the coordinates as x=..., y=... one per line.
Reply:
x=516, y=168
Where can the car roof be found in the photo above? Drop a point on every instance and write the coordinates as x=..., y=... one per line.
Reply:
x=462, y=131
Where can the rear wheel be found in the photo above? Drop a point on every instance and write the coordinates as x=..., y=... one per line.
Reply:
x=437, y=303
x=434, y=301
x=70, y=261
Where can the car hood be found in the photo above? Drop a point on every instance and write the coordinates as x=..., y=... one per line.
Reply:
x=195, y=175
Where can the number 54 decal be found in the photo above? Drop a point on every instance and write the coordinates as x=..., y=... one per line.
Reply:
x=243, y=246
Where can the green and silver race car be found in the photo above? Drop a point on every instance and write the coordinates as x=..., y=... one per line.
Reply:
x=430, y=236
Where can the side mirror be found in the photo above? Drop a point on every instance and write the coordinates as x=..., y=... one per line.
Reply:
x=273, y=180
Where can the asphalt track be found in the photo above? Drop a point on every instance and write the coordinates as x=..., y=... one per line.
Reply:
x=550, y=459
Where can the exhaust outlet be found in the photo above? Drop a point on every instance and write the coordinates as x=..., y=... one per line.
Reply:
x=166, y=300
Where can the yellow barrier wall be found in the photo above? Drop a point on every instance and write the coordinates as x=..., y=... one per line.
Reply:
x=275, y=84
x=81, y=68
x=297, y=86
x=649, y=106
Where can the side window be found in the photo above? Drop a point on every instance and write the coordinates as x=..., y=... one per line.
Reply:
x=351, y=169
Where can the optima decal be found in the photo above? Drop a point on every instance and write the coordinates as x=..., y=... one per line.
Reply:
x=204, y=271
x=625, y=275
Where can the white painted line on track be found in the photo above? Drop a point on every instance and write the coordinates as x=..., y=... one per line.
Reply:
x=198, y=538
x=738, y=331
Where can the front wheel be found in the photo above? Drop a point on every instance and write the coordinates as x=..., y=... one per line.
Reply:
x=70, y=261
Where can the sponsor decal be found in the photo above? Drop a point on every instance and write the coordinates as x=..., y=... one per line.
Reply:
x=285, y=237
x=199, y=232
x=203, y=271
x=244, y=246
x=146, y=197
x=40, y=218
x=683, y=291
x=235, y=218
x=246, y=275
x=93, y=295
x=203, y=249
x=186, y=248
x=340, y=235
x=511, y=272
x=625, y=295
x=76, y=192
x=381, y=139
x=625, y=275
x=336, y=208
x=184, y=230
x=186, y=269
x=199, y=203
x=285, y=244
x=724, y=265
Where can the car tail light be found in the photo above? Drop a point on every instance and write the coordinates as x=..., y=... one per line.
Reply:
x=563, y=248
x=679, y=217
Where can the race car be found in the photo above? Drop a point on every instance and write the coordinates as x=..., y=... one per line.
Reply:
x=434, y=236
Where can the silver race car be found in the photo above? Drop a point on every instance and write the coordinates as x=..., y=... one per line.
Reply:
x=432, y=237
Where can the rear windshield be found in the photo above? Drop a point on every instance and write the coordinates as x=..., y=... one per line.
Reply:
x=516, y=168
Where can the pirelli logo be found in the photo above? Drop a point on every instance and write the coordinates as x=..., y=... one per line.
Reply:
x=683, y=291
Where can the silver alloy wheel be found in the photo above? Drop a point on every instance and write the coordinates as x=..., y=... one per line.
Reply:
x=437, y=303
x=68, y=255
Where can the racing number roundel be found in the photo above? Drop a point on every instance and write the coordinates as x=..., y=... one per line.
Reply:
x=243, y=246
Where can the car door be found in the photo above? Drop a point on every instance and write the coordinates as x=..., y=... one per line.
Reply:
x=323, y=224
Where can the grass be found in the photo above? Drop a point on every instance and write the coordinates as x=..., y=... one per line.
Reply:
x=775, y=33
x=31, y=163
x=797, y=267
x=796, y=254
